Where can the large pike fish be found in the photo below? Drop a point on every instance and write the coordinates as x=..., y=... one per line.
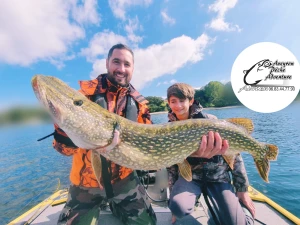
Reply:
x=143, y=147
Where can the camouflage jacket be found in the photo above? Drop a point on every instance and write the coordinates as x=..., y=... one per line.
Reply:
x=215, y=169
x=81, y=172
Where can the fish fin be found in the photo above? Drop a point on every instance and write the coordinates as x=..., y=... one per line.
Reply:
x=96, y=165
x=263, y=164
x=185, y=170
x=272, y=152
x=263, y=167
x=244, y=122
x=229, y=158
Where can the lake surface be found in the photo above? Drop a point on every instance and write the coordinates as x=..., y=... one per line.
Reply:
x=30, y=170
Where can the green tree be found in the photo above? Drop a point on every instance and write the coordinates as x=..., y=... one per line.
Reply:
x=156, y=104
x=214, y=92
x=228, y=96
x=200, y=97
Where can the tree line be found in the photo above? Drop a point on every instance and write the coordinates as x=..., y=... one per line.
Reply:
x=214, y=94
x=23, y=114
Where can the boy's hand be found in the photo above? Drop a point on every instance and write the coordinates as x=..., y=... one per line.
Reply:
x=211, y=145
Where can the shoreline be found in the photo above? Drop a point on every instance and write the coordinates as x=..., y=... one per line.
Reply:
x=225, y=107
x=208, y=108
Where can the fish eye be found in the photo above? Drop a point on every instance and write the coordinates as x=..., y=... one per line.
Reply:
x=78, y=102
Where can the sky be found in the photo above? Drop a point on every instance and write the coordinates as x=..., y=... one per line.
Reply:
x=194, y=41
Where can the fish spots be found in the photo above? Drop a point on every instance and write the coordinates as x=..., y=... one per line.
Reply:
x=152, y=150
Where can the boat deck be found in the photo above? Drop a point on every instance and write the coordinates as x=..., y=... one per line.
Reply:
x=47, y=212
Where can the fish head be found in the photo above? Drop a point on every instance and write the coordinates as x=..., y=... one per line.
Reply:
x=58, y=98
x=79, y=117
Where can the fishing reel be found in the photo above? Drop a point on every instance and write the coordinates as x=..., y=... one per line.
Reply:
x=155, y=183
x=147, y=177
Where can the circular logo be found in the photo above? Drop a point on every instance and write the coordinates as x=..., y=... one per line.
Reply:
x=265, y=77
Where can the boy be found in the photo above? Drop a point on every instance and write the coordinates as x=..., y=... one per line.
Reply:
x=210, y=174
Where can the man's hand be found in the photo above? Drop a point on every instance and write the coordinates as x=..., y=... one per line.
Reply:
x=115, y=141
x=247, y=201
x=211, y=145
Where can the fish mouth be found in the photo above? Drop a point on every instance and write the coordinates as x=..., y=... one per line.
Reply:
x=55, y=112
x=35, y=86
x=43, y=98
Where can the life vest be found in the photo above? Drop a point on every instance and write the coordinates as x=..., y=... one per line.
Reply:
x=127, y=102
x=131, y=113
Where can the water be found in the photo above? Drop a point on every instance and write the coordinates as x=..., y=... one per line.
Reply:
x=30, y=169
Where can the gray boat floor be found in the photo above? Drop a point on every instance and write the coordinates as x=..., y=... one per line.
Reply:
x=201, y=216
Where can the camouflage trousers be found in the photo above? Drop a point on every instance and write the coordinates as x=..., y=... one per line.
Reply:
x=129, y=204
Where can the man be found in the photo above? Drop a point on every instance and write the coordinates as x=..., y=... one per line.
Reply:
x=119, y=185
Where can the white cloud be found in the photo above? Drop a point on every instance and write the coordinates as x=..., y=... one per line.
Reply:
x=225, y=81
x=59, y=63
x=99, y=67
x=35, y=30
x=173, y=81
x=119, y=7
x=101, y=43
x=158, y=60
x=132, y=26
x=221, y=7
x=197, y=88
x=166, y=18
x=86, y=13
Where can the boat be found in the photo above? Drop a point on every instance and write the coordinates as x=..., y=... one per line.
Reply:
x=267, y=211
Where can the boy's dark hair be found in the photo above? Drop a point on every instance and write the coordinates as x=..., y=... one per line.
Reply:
x=119, y=46
x=181, y=91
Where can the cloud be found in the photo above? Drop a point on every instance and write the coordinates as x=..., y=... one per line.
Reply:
x=86, y=13
x=119, y=7
x=166, y=18
x=36, y=30
x=225, y=81
x=132, y=26
x=173, y=81
x=158, y=60
x=221, y=7
x=101, y=43
x=99, y=67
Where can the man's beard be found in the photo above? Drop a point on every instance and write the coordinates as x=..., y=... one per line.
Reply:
x=112, y=77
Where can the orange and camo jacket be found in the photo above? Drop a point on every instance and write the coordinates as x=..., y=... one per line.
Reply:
x=81, y=172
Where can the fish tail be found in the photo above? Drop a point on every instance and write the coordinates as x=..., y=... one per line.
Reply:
x=272, y=152
x=263, y=164
x=263, y=167
x=185, y=170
